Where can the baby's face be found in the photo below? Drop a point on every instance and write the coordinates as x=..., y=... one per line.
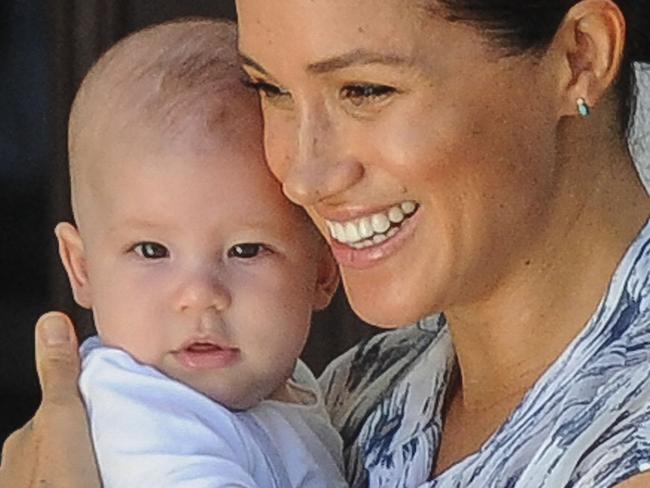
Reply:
x=197, y=264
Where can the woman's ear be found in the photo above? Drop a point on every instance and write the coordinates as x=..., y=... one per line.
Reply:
x=73, y=257
x=327, y=279
x=591, y=41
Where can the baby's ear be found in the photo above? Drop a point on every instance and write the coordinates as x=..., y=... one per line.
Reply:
x=73, y=257
x=327, y=278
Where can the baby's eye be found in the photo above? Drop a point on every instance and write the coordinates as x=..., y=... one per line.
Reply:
x=246, y=250
x=365, y=93
x=151, y=250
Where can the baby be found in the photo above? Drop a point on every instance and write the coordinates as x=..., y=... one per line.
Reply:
x=201, y=276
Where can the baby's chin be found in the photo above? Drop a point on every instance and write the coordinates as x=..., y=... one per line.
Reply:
x=245, y=402
x=241, y=400
x=243, y=395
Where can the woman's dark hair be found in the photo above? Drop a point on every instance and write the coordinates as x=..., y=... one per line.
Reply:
x=521, y=26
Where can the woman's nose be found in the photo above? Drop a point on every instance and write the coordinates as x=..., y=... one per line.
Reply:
x=320, y=169
x=201, y=291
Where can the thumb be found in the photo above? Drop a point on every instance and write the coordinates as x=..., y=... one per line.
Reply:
x=57, y=359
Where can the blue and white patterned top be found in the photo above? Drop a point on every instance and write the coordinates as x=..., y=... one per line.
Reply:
x=585, y=423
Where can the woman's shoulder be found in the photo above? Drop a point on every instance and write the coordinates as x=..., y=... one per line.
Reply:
x=357, y=382
x=378, y=362
x=378, y=393
x=619, y=416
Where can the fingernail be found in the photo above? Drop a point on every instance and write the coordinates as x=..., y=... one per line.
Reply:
x=56, y=332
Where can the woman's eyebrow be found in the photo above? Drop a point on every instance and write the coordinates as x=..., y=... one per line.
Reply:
x=248, y=61
x=358, y=57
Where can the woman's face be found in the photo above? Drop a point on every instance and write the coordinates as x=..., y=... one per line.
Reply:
x=380, y=115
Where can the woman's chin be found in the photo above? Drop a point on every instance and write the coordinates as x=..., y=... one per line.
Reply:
x=384, y=309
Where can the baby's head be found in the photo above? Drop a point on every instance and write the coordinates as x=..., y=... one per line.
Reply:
x=186, y=250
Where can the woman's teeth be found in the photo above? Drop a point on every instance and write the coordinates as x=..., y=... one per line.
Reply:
x=374, y=229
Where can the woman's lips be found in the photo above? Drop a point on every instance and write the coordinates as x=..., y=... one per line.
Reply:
x=206, y=356
x=350, y=257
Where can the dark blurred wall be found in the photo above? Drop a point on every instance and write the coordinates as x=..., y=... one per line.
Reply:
x=25, y=173
x=46, y=48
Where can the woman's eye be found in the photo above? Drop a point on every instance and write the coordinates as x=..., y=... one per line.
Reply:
x=151, y=250
x=361, y=94
x=246, y=251
x=266, y=90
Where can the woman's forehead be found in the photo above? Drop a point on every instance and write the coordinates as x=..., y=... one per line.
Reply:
x=324, y=34
x=334, y=21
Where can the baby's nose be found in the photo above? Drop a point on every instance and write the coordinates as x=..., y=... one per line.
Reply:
x=202, y=291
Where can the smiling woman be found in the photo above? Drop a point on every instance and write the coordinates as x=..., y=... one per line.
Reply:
x=404, y=102
x=469, y=157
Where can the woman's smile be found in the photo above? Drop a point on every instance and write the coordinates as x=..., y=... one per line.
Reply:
x=366, y=241
x=373, y=229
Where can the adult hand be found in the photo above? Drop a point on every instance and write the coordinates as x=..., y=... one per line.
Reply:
x=53, y=450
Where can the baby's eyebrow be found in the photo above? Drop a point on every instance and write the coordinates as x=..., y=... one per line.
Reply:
x=134, y=222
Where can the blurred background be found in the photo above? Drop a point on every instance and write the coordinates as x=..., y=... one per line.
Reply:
x=46, y=47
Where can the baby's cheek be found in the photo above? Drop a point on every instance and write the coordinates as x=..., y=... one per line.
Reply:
x=128, y=326
x=146, y=347
x=277, y=335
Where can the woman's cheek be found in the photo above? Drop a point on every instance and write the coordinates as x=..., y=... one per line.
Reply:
x=280, y=139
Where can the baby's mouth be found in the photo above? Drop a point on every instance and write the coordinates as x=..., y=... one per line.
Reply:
x=203, y=347
x=374, y=229
x=207, y=355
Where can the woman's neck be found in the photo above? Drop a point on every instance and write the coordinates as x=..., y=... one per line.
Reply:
x=508, y=338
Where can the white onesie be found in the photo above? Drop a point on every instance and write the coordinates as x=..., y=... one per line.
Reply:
x=152, y=431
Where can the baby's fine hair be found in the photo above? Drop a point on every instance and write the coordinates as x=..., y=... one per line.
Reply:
x=163, y=76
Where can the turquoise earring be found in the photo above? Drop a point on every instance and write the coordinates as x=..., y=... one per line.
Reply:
x=583, y=108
